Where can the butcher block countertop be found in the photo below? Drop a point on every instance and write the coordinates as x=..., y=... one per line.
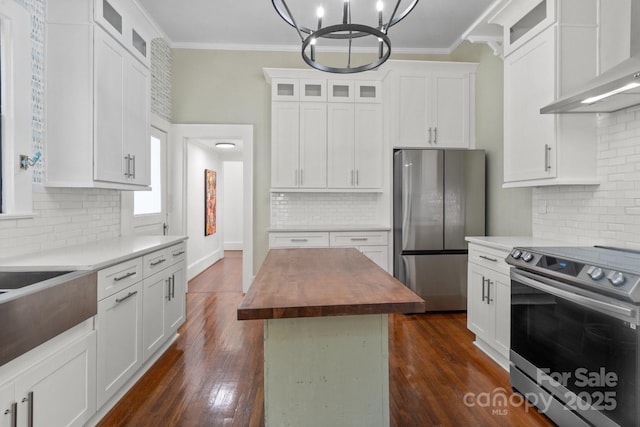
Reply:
x=324, y=282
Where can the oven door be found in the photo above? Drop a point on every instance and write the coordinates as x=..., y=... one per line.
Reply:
x=581, y=348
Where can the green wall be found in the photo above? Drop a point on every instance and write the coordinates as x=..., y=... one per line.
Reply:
x=228, y=87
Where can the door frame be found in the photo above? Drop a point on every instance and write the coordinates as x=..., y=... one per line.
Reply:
x=177, y=187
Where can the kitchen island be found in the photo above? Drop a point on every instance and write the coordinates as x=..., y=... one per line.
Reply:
x=326, y=343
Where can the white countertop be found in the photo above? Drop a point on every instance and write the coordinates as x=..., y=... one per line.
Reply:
x=339, y=227
x=506, y=243
x=89, y=256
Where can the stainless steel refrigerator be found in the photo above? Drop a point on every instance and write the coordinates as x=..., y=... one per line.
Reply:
x=438, y=199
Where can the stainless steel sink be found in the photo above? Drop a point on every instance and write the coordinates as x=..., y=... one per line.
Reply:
x=35, y=306
x=20, y=279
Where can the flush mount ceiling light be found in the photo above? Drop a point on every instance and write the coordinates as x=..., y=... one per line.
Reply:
x=369, y=35
x=225, y=144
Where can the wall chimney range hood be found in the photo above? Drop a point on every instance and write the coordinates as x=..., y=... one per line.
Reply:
x=615, y=89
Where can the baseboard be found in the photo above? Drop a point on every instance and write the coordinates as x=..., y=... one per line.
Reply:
x=233, y=246
x=203, y=263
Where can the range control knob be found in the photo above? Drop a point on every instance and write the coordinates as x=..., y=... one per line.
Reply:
x=516, y=253
x=595, y=273
x=616, y=278
x=527, y=256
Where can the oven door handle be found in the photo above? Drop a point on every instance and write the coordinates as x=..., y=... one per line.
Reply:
x=601, y=306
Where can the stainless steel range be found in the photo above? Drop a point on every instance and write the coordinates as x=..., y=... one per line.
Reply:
x=575, y=343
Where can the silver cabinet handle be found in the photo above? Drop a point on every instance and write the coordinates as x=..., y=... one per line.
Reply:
x=484, y=297
x=359, y=239
x=489, y=283
x=299, y=240
x=178, y=253
x=133, y=174
x=429, y=141
x=129, y=274
x=29, y=401
x=158, y=262
x=435, y=135
x=168, y=298
x=14, y=414
x=547, y=157
x=173, y=286
x=488, y=258
x=129, y=295
x=127, y=172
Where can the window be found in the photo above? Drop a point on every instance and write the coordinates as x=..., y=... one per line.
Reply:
x=150, y=207
x=150, y=202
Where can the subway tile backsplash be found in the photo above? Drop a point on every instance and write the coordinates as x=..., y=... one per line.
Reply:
x=605, y=214
x=302, y=209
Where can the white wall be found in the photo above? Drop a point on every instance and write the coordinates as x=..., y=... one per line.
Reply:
x=203, y=250
x=606, y=214
x=232, y=209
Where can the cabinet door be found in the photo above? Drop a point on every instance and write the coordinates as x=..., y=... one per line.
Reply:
x=119, y=326
x=502, y=290
x=7, y=405
x=479, y=313
x=285, y=136
x=61, y=389
x=450, y=122
x=109, y=76
x=529, y=84
x=313, y=145
x=368, y=146
x=341, y=173
x=136, y=121
x=412, y=115
x=155, y=295
x=175, y=305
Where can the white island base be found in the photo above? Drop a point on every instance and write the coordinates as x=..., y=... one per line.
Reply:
x=327, y=371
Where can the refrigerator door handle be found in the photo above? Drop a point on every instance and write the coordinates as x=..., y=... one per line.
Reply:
x=406, y=201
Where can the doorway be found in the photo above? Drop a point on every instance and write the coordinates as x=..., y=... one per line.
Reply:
x=187, y=166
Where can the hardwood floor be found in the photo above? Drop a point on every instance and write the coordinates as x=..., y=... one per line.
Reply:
x=212, y=375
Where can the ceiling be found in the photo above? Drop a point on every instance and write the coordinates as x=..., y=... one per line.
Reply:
x=434, y=26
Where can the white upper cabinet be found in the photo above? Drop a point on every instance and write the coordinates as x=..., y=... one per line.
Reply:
x=98, y=97
x=355, y=146
x=551, y=49
x=433, y=104
x=299, y=145
x=326, y=135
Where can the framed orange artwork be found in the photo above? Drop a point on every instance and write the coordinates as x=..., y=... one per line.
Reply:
x=209, y=202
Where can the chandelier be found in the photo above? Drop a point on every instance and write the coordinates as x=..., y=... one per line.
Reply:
x=370, y=36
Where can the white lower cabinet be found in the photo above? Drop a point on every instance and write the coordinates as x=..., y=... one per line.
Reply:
x=134, y=323
x=57, y=391
x=119, y=326
x=489, y=302
x=163, y=306
x=373, y=244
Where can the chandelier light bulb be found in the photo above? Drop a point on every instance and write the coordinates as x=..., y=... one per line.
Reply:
x=345, y=32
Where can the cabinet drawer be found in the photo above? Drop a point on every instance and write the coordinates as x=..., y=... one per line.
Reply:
x=118, y=277
x=155, y=261
x=177, y=253
x=359, y=238
x=489, y=258
x=299, y=240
